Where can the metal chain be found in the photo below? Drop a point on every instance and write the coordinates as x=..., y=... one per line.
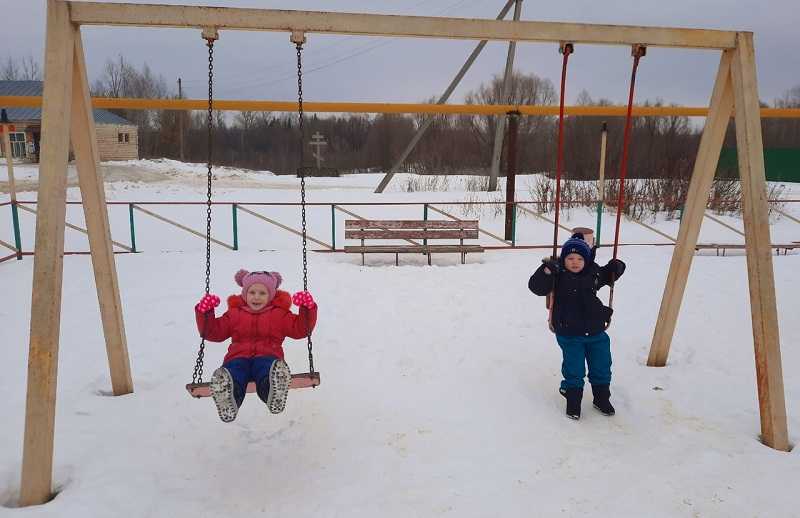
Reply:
x=197, y=377
x=638, y=52
x=302, y=173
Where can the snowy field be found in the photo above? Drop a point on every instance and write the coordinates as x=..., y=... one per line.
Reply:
x=439, y=384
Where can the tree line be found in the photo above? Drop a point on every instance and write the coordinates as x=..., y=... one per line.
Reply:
x=662, y=147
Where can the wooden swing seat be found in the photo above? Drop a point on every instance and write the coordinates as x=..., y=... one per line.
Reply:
x=302, y=380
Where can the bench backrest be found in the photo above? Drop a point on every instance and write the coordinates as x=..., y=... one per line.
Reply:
x=410, y=229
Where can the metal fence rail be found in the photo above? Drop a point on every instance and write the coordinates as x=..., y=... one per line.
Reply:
x=518, y=206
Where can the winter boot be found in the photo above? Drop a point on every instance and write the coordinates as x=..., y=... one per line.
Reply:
x=573, y=396
x=279, y=380
x=600, y=394
x=222, y=388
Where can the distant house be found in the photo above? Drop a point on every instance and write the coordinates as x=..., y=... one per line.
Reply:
x=117, y=138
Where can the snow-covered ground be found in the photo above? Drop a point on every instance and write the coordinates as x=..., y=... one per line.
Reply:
x=439, y=384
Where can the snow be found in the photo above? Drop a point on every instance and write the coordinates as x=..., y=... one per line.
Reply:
x=439, y=384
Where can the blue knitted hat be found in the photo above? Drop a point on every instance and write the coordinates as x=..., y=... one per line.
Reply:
x=576, y=245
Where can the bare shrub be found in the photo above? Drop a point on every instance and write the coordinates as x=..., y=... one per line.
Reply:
x=431, y=183
x=475, y=205
x=477, y=183
x=541, y=190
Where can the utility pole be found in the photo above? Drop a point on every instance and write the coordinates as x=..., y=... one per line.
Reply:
x=443, y=99
x=180, y=120
x=501, y=121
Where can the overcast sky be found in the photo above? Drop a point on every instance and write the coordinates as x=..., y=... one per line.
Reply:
x=260, y=65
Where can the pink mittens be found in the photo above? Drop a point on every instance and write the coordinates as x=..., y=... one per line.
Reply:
x=207, y=303
x=304, y=299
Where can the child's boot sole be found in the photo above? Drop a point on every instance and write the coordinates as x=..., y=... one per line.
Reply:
x=279, y=380
x=608, y=413
x=222, y=393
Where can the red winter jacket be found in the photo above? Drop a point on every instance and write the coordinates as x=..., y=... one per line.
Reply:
x=257, y=334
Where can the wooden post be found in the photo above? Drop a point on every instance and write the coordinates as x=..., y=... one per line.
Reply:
x=48, y=262
x=84, y=143
x=755, y=210
x=702, y=177
x=601, y=181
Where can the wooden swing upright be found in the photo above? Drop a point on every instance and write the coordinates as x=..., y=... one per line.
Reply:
x=67, y=117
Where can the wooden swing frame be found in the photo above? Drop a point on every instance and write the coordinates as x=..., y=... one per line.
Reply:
x=67, y=117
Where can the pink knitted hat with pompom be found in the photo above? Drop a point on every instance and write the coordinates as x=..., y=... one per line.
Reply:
x=245, y=279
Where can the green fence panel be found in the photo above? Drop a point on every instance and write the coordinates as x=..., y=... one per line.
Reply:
x=781, y=164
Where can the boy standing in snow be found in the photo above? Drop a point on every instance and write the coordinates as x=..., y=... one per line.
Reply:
x=579, y=320
x=257, y=321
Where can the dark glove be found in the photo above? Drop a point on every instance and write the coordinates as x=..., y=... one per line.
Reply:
x=616, y=267
x=552, y=264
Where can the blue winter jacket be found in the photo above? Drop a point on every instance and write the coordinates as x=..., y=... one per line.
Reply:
x=577, y=311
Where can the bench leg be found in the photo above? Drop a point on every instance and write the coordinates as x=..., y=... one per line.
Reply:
x=363, y=257
x=463, y=258
x=397, y=259
x=429, y=258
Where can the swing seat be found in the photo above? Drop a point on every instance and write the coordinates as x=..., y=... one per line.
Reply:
x=302, y=380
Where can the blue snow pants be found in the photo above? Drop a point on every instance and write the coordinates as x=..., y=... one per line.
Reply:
x=245, y=370
x=577, y=351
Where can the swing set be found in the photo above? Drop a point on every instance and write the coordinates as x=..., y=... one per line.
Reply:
x=311, y=378
x=67, y=118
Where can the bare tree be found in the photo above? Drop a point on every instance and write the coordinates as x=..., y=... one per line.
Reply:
x=524, y=89
x=112, y=82
x=10, y=70
x=30, y=69
x=791, y=99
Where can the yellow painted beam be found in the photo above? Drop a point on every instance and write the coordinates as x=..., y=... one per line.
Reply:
x=19, y=101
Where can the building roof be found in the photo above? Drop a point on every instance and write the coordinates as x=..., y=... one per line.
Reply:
x=35, y=88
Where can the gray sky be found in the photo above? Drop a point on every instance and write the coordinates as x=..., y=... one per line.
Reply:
x=354, y=68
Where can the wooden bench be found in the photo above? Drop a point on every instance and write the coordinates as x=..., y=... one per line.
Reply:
x=409, y=231
x=737, y=246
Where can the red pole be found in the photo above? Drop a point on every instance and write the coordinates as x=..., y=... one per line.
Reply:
x=638, y=52
x=566, y=49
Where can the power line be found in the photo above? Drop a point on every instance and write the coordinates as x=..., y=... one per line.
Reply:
x=336, y=61
x=313, y=51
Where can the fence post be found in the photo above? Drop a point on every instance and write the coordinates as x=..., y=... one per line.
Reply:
x=235, y=228
x=17, y=235
x=425, y=217
x=333, y=226
x=133, y=229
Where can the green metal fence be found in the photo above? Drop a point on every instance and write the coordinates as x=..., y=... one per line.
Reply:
x=781, y=164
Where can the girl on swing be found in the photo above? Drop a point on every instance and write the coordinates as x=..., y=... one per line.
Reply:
x=257, y=321
x=579, y=320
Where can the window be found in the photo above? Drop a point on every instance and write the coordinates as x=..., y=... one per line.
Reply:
x=120, y=138
x=17, y=145
x=127, y=138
